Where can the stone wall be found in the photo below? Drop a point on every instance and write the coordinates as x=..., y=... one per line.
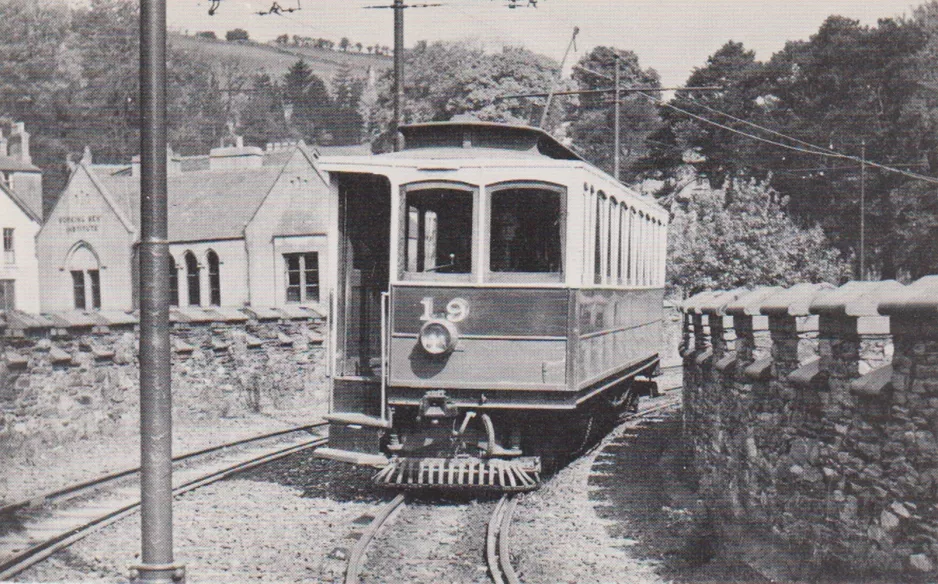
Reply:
x=813, y=413
x=70, y=376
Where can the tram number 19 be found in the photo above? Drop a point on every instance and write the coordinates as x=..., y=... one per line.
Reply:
x=456, y=310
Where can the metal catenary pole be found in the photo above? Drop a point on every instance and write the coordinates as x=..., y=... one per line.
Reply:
x=863, y=211
x=156, y=531
x=616, y=131
x=398, y=74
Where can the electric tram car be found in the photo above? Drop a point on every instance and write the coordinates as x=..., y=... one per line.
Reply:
x=496, y=298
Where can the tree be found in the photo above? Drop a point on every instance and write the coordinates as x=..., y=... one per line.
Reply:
x=346, y=122
x=309, y=101
x=206, y=34
x=262, y=119
x=344, y=44
x=592, y=123
x=236, y=34
x=742, y=236
x=445, y=79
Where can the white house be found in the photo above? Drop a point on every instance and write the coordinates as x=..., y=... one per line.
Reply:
x=19, y=268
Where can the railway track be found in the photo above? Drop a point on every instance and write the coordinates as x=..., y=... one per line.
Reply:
x=497, y=548
x=32, y=530
x=497, y=543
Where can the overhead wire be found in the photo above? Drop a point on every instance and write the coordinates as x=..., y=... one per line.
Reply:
x=818, y=150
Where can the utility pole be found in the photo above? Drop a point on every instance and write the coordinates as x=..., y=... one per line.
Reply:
x=156, y=472
x=863, y=210
x=616, y=124
x=156, y=436
x=398, y=74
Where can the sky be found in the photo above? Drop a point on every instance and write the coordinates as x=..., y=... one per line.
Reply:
x=671, y=36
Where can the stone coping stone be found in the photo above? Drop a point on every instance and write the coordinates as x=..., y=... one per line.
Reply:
x=808, y=375
x=920, y=297
x=716, y=304
x=230, y=314
x=264, y=313
x=295, y=311
x=17, y=319
x=704, y=358
x=794, y=301
x=760, y=369
x=119, y=317
x=76, y=318
x=750, y=303
x=194, y=314
x=874, y=383
x=855, y=298
x=689, y=305
x=727, y=364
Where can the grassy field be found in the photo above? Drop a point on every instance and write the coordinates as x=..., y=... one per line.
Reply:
x=275, y=59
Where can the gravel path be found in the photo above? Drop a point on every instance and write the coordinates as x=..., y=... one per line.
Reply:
x=279, y=523
x=432, y=541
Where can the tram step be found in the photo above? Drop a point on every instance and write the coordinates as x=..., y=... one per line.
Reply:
x=520, y=474
x=356, y=433
x=356, y=419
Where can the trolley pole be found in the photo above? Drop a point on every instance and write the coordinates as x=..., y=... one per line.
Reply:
x=398, y=73
x=156, y=471
x=616, y=124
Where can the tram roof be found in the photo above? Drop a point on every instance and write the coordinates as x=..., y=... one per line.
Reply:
x=470, y=138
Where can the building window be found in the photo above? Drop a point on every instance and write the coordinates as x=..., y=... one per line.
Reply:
x=302, y=276
x=95, y=280
x=7, y=296
x=78, y=289
x=214, y=279
x=173, y=282
x=9, y=249
x=192, y=279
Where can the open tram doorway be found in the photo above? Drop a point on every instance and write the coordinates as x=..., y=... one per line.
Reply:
x=363, y=274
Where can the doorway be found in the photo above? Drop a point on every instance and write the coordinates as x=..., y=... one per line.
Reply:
x=364, y=256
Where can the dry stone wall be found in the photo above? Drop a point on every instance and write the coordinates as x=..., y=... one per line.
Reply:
x=813, y=412
x=68, y=376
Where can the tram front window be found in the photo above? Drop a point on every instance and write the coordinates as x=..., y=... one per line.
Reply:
x=526, y=228
x=439, y=231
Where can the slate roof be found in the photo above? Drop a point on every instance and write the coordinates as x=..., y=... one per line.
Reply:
x=14, y=164
x=20, y=203
x=203, y=205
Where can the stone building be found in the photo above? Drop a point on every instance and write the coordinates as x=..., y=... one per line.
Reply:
x=20, y=220
x=247, y=227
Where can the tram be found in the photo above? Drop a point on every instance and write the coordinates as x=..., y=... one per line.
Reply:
x=496, y=295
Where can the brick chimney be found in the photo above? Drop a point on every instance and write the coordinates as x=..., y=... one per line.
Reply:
x=173, y=163
x=18, y=144
x=235, y=157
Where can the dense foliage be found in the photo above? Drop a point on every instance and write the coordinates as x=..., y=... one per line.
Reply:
x=742, y=236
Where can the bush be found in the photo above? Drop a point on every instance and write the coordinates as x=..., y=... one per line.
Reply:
x=742, y=236
x=206, y=34
x=237, y=34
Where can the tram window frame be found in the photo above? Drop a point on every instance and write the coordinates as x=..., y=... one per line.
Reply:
x=404, y=224
x=534, y=277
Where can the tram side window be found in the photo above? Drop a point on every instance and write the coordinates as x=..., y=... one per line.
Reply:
x=439, y=231
x=527, y=227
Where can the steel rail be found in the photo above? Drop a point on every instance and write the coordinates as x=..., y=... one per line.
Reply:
x=357, y=555
x=35, y=553
x=498, y=542
x=76, y=489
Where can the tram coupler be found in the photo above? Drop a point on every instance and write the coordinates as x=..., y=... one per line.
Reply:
x=436, y=404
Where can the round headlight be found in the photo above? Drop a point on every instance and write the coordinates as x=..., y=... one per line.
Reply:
x=438, y=337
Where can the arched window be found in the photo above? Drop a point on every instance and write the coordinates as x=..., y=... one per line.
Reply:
x=214, y=279
x=192, y=279
x=609, y=234
x=173, y=282
x=84, y=269
x=621, y=214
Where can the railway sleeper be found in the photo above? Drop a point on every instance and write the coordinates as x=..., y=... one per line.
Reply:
x=468, y=473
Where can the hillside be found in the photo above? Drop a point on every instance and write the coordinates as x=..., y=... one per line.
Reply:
x=275, y=59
